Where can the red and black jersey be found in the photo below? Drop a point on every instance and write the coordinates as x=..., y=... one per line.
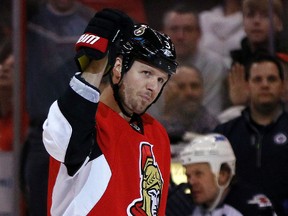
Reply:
x=123, y=171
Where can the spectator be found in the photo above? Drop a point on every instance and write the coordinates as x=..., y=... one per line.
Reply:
x=6, y=97
x=6, y=19
x=182, y=25
x=52, y=33
x=210, y=168
x=6, y=127
x=259, y=136
x=6, y=93
x=222, y=29
x=183, y=110
x=262, y=32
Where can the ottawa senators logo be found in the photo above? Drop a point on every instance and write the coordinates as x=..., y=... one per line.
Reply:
x=140, y=31
x=151, y=185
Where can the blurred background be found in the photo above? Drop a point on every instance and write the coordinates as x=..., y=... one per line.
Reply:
x=14, y=16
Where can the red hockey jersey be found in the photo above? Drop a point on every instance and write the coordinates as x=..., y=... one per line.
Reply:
x=130, y=178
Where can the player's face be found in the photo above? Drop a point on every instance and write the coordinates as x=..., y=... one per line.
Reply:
x=202, y=180
x=140, y=86
x=266, y=87
x=184, y=32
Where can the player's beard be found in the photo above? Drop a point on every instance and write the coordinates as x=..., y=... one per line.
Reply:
x=131, y=102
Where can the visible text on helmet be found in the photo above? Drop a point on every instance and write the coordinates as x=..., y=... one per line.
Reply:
x=219, y=138
x=167, y=50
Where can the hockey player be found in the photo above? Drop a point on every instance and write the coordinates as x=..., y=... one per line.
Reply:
x=108, y=157
x=210, y=168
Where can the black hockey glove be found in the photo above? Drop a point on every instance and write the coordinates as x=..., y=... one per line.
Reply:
x=101, y=34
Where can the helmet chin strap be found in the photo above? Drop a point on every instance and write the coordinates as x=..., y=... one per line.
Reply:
x=219, y=195
x=133, y=117
x=115, y=88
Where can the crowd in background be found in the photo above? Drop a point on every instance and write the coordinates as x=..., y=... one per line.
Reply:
x=215, y=42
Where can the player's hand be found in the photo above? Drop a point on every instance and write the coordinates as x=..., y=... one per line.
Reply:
x=101, y=33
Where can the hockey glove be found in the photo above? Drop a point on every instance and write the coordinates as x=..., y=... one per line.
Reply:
x=101, y=33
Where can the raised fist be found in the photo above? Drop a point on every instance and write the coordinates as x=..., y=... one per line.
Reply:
x=103, y=30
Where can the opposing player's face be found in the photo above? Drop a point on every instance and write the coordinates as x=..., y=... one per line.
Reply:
x=202, y=180
x=184, y=32
x=266, y=87
x=140, y=86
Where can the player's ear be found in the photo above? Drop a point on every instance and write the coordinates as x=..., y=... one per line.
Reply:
x=224, y=177
x=117, y=70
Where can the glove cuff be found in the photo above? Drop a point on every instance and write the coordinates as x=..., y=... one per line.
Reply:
x=92, y=41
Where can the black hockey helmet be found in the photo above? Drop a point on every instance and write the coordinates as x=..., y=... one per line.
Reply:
x=150, y=46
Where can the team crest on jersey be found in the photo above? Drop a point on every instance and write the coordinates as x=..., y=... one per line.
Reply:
x=150, y=186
